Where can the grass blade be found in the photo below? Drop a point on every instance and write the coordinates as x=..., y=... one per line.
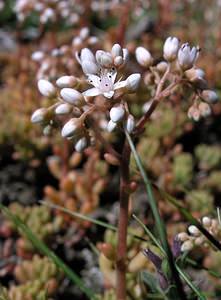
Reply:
x=90, y=219
x=159, y=223
x=46, y=251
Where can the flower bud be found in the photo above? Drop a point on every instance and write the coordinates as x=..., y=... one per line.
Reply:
x=187, y=246
x=72, y=127
x=193, y=113
x=117, y=113
x=47, y=130
x=204, y=109
x=84, y=33
x=104, y=58
x=89, y=67
x=206, y=221
x=182, y=236
x=116, y=50
x=66, y=81
x=63, y=109
x=37, y=56
x=133, y=82
x=111, y=126
x=125, y=55
x=72, y=96
x=118, y=61
x=194, y=73
x=162, y=66
x=187, y=56
x=199, y=240
x=46, y=88
x=170, y=48
x=143, y=57
x=193, y=230
x=130, y=124
x=209, y=96
x=111, y=159
x=39, y=115
x=81, y=144
x=87, y=54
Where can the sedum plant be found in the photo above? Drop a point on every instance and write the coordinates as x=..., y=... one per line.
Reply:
x=91, y=108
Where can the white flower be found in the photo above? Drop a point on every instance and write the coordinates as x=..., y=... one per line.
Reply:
x=46, y=88
x=117, y=113
x=104, y=84
x=143, y=57
x=170, y=48
x=187, y=56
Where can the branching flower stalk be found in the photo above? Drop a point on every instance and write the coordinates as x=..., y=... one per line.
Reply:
x=86, y=113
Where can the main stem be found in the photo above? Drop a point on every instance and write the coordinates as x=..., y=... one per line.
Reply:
x=121, y=264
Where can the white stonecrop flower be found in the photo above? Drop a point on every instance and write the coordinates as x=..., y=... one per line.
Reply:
x=117, y=113
x=187, y=56
x=46, y=88
x=170, y=48
x=143, y=56
x=104, y=84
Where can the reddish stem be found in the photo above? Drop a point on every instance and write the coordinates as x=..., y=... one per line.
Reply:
x=123, y=224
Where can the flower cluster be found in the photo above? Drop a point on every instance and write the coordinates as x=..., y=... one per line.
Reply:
x=180, y=67
x=58, y=61
x=49, y=10
x=196, y=238
x=82, y=105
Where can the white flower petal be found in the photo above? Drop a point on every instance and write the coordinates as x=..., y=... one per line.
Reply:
x=94, y=80
x=92, y=92
x=108, y=94
x=120, y=84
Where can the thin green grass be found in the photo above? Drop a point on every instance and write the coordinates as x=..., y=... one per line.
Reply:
x=41, y=246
